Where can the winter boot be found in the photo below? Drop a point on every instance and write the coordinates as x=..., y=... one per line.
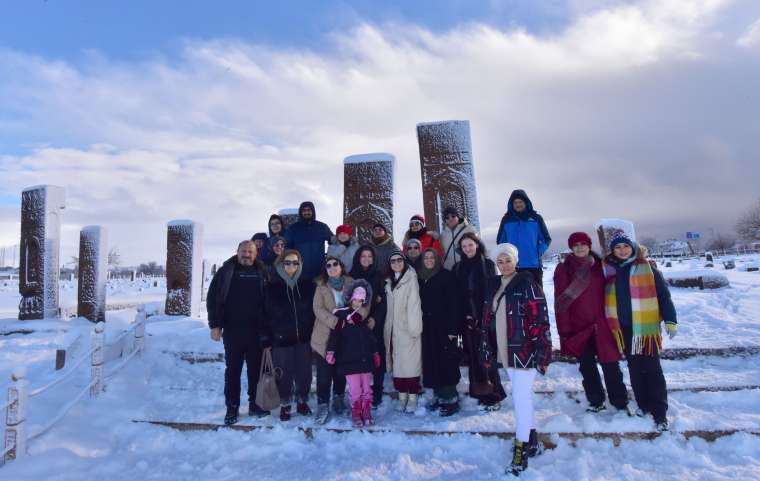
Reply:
x=449, y=409
x=303, y=409
x=403, y=398
x=434, y=404
x=367, y=413
x=339, y=404
x=411, y=405
x=535, y=447
x=519, y=459
x=285, y=413
x=232, y=416
x=254, y=410
x=661, y=424
x=492, y=407
x=596, y=408
x=356, y=414
x=323, y=413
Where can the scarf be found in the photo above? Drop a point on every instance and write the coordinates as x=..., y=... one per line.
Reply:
x=645, y=310
x=397, y=276
x=336, y=282
x=380, y=240
x=423, y=273
x=289, y=281
x=580, y=270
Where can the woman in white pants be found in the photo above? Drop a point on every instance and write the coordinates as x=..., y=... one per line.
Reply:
x=516, y=310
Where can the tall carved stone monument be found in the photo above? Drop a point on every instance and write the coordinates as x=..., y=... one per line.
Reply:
x=93, y=273
x=368, y=193
x=607, y=229
x=41, y=208
x=448, y=177
x=184, y=276
x=289, y=217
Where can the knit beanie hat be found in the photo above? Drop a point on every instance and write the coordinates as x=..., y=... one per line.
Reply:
x=578, y=237
x=417, y=218
x=414, y=241
x=508, y=250
x=343, y=228
x=262, y=236
x=359, y=293
x=451, y=210
x=380, y=224
x=622, y=239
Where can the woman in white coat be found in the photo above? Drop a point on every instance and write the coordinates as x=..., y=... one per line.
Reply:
x=403, y=331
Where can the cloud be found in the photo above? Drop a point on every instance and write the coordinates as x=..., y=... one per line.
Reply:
x=634, y=110
x=750, y=38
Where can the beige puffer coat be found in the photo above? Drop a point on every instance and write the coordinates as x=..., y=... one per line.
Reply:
x=403, y=327
x=324, y=305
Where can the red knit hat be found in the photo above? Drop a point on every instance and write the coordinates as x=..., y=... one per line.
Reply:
x=344, y=228
x=577, y=237
x=417, y=217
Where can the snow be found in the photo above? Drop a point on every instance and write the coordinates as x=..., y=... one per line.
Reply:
x=374, y=157
x=180, y=222
x=99, y=440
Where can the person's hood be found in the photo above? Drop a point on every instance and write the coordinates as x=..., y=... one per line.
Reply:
x=520, y=194
x=278, y=217
x=356, y=267
x=307, y=204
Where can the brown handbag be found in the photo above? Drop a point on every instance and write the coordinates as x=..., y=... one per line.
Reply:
x=267, y=394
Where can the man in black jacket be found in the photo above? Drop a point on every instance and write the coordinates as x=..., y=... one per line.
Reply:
x=235, y=304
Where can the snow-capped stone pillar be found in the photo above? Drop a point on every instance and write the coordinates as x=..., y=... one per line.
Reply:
x=184, y=277
x=289, y=217
x=93, y=273
x=448, y=177
x=607, y=229
x=39, y=273
x=368, y=193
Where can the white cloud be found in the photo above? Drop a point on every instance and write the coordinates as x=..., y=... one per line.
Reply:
x=614, y=116
x=750, y=38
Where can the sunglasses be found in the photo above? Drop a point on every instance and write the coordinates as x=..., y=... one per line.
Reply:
x=397, y=260
x=414, y=223
x=291, y=263
x=330, y=265
x=412, y=247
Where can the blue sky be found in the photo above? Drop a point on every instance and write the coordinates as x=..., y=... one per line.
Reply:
x=224, y=112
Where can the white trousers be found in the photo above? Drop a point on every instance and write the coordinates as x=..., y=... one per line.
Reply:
x=522, y=397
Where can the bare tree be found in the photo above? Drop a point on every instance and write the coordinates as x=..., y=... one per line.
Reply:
x=114, y=258
x=748, y=225
x=721, y=242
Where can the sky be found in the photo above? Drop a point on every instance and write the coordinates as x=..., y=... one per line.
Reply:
x=151, y=111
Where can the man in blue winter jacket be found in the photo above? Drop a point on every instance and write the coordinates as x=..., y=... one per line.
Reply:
x=524, y=228
x=309, y=237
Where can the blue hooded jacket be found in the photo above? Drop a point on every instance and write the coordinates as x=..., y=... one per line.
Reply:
x=310, y=239
x=526, y=231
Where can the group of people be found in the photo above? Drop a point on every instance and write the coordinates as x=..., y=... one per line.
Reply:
x=419, y=311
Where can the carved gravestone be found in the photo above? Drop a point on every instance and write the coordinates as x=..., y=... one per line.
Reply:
x=184, y=277
x=93, y=273
x=39, y=274
x=607, y=229
x=368, y=193
x=448, y=177
x=289, y=217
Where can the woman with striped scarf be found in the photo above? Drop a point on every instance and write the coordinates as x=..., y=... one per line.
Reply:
x=637, y=300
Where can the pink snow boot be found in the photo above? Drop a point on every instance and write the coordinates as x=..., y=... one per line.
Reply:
x=356, y=414
x=367, y=412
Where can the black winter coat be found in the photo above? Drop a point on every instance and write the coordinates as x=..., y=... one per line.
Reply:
x=219, y=289
x=529, y=342
x=376, y=280
x=440, y=355
x=353, y=345
x=289, y=311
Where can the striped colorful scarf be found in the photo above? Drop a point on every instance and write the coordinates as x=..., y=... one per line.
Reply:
x=645, y=310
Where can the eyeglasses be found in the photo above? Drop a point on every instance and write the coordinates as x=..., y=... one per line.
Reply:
x=291, y=263
x=414, y=223
x=413, y=247
x=330, y=265
x=397, y=260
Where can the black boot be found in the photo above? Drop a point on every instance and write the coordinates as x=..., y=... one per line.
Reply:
x=535, y=447
x=303, y=408
x=448, y=409
x=519, y=458
x=232, y=415
x=285, y=413
x=254, y=410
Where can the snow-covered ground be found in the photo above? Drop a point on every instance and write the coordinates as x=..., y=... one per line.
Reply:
x=99, y=440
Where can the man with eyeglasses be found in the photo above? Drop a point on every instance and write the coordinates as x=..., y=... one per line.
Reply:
x=455, y=226
x=235, y=305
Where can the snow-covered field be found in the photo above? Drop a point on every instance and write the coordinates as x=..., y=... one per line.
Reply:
x=99, y=440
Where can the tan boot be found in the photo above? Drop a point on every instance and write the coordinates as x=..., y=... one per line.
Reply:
x=403, y=398
x=411, y=405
